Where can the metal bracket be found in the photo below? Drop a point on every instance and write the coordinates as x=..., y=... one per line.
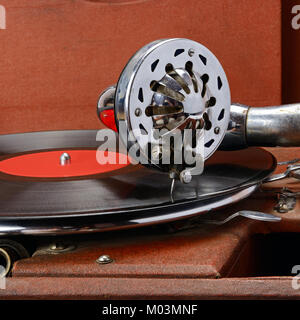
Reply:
x=196, y=222
x=290, y=172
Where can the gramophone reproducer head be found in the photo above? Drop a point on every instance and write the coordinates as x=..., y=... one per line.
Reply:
x=172, y=100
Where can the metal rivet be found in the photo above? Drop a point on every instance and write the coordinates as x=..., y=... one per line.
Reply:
x=191, y=52
x=104, y=259
x=138, y=112
x=217, y=130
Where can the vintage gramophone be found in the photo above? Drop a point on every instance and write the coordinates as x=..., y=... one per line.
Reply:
x=170, y=88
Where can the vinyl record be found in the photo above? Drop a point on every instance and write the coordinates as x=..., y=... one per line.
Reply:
x=30, y=191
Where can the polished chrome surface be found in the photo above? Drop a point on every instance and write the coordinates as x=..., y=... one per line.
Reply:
x=106, y=100
x=175, y=84
x=104, y=259
x=274, y=126
x=235, y=137
x=257, y=215
x=65, y=159
x=263, y=126
x=254, y=215
x=290, y=171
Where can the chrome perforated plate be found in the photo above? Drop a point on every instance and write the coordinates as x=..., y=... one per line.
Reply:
x=169, y=84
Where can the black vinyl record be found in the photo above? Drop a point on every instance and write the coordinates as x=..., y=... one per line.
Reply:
x=126, y=193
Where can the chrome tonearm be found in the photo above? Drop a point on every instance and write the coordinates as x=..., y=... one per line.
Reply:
x=264, y=127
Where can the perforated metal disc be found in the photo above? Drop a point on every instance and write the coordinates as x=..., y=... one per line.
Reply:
x=182, y=78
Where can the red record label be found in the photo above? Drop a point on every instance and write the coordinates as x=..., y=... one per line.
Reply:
x=47, y=164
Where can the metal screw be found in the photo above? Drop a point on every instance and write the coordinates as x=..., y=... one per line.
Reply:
x=191, y=52
x=217, y=130
x=138, y=112
x=185, y=176
x=104, y=259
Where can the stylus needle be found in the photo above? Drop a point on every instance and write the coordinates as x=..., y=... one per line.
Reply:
x=254, y=215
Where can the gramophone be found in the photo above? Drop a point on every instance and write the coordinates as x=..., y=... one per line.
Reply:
x=181, y=149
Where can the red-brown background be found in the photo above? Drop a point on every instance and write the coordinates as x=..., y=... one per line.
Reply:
x=58, y=55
